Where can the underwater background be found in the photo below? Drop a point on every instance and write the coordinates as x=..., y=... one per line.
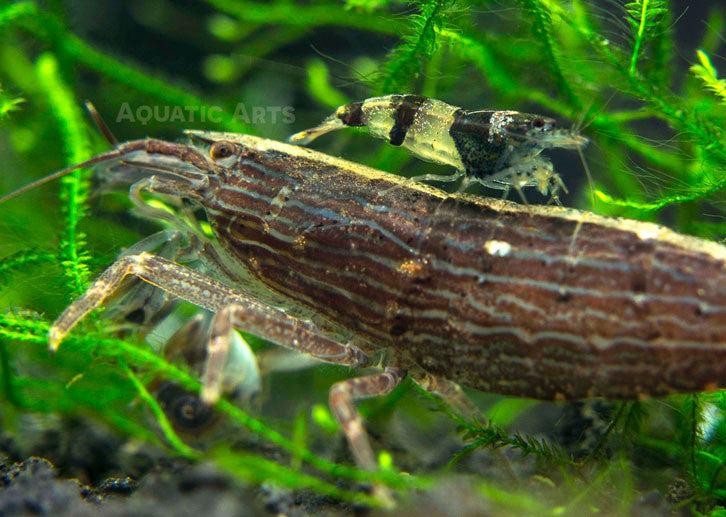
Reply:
x=645, y=79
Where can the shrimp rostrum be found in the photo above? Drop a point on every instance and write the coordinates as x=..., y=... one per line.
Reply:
x=499, y=149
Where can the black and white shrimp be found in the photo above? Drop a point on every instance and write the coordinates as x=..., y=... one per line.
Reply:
x=499, y=149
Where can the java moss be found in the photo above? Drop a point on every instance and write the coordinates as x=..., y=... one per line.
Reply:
x=644, y=78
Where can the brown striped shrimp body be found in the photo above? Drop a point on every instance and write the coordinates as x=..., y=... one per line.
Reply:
x=499, y=149
x=319, y=255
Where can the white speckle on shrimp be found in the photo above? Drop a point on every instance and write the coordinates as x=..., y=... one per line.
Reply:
x=646, y=234
x=499, y=122
x=498, y=248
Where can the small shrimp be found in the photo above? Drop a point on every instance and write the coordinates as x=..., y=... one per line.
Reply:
x=499, y=149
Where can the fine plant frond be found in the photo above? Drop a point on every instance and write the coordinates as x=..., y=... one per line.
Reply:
x=44, y=26
x=495, y=438
x=706, y=72
x=663, y=101
x=17, y=11
x=627, y=423
x=544, y=34
x=633, y=419
x=306, y=15
x=166, y=427
x=406, y=61
x=75, y=186
x=645, y=18
x=691, y=410
x=696, y=193
x=23, y=261
x=256, y=469
x=368, y=6
x=478, y=435
x=8, y=104
x=662, y=45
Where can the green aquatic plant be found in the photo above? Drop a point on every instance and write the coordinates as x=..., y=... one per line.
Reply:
x=649, y=20
x=707, y=73
x=658, y=153
x=75, y=187
x=405, y=62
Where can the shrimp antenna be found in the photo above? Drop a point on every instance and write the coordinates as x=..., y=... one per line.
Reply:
x=100, y=124
x=102, y=128
x=59, y=174
x=578, y=125
x=588, y=174
x=583, y=124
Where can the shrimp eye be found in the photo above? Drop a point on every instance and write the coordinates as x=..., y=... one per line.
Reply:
x=538, y=122
x=221, y=150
